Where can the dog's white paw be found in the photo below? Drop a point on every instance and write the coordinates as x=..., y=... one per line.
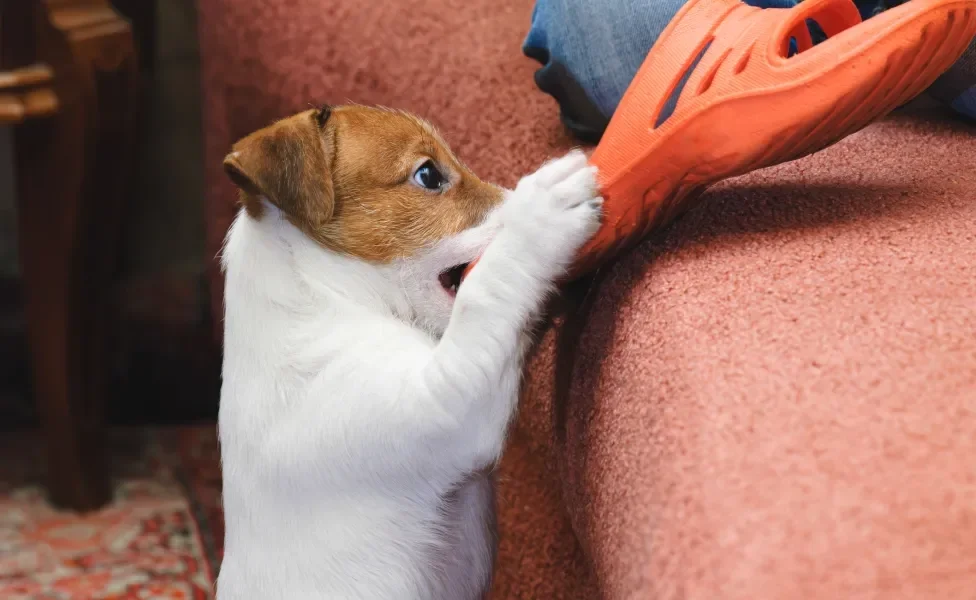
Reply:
x=557, y=208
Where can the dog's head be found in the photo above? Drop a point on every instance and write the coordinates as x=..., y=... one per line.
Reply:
x=374, y=184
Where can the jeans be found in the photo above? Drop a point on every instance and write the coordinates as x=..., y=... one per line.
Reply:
x=591, y=49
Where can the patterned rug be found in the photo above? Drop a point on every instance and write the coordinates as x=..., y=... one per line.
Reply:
x=160, y=537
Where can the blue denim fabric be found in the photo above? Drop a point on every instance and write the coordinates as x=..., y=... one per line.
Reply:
x=591, y=49
x=957, y=87
x=965, y=103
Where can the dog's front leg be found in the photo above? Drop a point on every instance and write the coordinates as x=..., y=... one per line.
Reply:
x=475, y=366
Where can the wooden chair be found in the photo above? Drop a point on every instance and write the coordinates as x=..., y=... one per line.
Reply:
x=68, y=86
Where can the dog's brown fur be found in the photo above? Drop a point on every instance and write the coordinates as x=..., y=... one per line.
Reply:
x=343, y=176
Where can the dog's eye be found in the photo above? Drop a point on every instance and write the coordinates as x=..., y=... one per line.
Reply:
x=428, y=177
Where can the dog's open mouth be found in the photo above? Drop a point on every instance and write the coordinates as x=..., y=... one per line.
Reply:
x=451, y=279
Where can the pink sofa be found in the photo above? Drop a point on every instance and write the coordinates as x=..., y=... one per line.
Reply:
x=774, y=398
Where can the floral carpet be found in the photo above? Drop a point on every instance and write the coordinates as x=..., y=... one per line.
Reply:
x=159, y=538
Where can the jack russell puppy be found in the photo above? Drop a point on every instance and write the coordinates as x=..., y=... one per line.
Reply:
x=366, y=392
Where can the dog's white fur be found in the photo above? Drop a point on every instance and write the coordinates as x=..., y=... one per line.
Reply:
x=362, y=404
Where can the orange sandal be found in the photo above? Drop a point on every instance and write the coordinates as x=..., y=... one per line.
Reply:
x=718, y=96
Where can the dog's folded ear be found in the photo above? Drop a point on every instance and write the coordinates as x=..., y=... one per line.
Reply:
x=290, y=164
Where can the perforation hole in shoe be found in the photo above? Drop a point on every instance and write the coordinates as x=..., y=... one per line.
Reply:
x=669, y=106
x=799, y=40
x=823, y=23
x=743, y=61
x=709, y=78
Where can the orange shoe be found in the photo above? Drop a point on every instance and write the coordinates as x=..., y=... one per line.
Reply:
x=717, y=97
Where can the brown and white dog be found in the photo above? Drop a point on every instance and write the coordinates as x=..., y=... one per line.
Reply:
x=366, y=392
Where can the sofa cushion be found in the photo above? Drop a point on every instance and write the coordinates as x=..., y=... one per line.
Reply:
x=776, y=398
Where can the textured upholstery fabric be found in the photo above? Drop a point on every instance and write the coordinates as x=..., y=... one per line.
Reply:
x=777, y=397
x=774, y=398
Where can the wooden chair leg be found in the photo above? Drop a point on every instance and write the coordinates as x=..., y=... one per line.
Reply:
x=142, y=15
x=72, y=171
